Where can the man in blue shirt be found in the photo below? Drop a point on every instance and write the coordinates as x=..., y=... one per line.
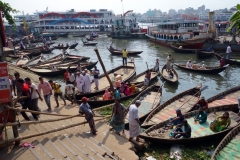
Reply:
x=177, y=120
x=201, y=116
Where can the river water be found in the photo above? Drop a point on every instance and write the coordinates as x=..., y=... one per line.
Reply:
x=216, y=83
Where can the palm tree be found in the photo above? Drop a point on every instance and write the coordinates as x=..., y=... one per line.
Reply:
x=235, y=23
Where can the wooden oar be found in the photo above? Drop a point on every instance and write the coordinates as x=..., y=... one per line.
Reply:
x=202, y=89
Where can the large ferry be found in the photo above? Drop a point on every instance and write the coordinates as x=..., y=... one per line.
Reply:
x=67, y=21
x=187, y=33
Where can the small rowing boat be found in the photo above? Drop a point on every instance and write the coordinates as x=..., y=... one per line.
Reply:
x=72, y=57
x=235, y=60
x=119, y=52
x=210, y=70
x=89, y=43
x=227, y=98
x=229, y=147
x=204, y=54
x=33, y=61
x=150, y=98
x=167, y=77
x=186, y=100
x=73, y=46
x=47, y=72
x=22, y=60
x=182, y=50
x=80, y=35
x=61, y=47
x=159, y=133
x=141, y=77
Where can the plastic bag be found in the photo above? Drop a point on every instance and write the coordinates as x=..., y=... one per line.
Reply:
x=176, y=152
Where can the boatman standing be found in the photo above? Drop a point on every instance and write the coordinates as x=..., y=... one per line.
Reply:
x=111, y=45
x=228, y=51
x=124, y=56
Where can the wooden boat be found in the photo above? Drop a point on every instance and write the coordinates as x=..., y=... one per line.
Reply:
x=228, y=148
x=73, y=46
x=63, y=34
x=47, y=72
x=57, y=58
x=81, y=35
x=127, y=73
x=166, y=77
x=71, y=57
x=60, y=47
x=227, y=98
x=22, y=60
x=89, y=43
x=186, y=100
x=119, y=52
x=19, y=54
x=72, y=67
x=200, y=132
x=33, y=61
x=140, y=77
x=150, y=99
x=89, y=39
x=232, y=61
x=61, y=63
x=204, y=54
x=47, y=50
x=211, y=70
x=182, y=50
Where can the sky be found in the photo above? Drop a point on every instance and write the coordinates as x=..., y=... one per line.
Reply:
x=138, y=6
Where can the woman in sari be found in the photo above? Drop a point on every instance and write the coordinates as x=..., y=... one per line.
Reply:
x=221, y=123
x=126, y=90
x=107, y=95
x=118, y=116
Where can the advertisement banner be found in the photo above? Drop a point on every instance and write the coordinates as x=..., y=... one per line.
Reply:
x=4, y=83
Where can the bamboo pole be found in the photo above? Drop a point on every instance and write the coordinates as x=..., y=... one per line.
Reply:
x=105, y=72
x=36, y=112
x=47, y=132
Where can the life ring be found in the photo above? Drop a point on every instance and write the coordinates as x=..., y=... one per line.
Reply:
x=118, y=33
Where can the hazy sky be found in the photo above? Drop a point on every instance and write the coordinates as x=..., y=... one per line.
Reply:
x=139, y=6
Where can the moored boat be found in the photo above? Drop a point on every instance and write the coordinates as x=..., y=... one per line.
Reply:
x=22, y=60
x=73, y=67
x=119, y=52
x=159, y=133
x=33, y=61
x=47, y=72
x=61, y=47
x=204, y=54
x=141, y=77
x=228, y=98
x=232, y=61
x=166, y=76
x=71, y=56
x=210, y=70
x=127, y=73
x=228, y=148
x=63, y=34
x=182, y=50
x=80, y=35
x=186, y=100
x=89, y=43
x=73, y=46
x=150, y=98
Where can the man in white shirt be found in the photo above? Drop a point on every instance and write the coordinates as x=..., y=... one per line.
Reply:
x=203, y=65
x=71, y=78
x=79, y=82
x=69, y=91
x=87, y=81
x=34, y=95
x=134, y=123
x=189, y=64
x=228, y=51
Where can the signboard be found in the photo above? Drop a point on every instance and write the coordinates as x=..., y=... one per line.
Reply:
x=4, y=83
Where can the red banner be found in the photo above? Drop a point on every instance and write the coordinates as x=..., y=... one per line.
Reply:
x=4, y=83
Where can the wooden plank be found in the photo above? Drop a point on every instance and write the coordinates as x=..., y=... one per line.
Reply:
x=46, y=151
x=102, y=145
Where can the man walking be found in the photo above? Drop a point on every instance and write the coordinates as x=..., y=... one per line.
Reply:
x=15, y=84
x=87, y=81
x=124, y=56
x=34, y=94
x=79, y=82
x=57, y=92
x=47, y=91
x=134, y=123
x=96, y=77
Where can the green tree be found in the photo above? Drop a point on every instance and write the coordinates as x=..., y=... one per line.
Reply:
x=235, y=20
x=7, y=9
